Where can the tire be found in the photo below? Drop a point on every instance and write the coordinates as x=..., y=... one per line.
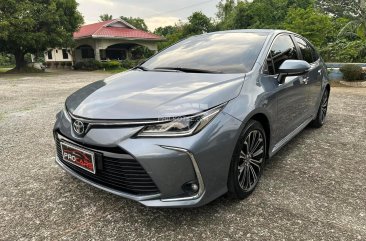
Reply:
x=247, y=161
x=322, y=111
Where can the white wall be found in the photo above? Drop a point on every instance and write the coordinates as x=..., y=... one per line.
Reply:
x=57, y=56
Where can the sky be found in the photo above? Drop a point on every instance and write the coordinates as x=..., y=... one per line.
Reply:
x=155, y=12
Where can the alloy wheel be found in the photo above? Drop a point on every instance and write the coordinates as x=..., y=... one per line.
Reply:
x=251, y=159
x=324, y=107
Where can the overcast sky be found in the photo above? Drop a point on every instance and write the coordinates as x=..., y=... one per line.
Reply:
x=155, y=12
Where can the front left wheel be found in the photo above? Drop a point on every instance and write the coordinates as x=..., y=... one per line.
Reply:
x=248, y=161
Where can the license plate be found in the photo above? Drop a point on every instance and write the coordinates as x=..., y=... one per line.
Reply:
x=78, y=157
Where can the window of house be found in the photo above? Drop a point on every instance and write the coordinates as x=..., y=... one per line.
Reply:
x=87, y=53
x=282, y=49
x=49, y=54
x=65, y=54
x=306, y=50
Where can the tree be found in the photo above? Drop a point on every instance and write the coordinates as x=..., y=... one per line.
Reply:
x=343, y=8
x=165, y=31
x=198, y=23
x=33, y=26
x=259, y=13
x=105, y=17
x=225, y=8
x=138, y=23
x=312, y=24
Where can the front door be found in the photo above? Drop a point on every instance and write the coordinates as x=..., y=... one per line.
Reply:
x=292, y=94
x=315, y=74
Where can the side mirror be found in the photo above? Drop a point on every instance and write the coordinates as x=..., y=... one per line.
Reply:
x=292, y=67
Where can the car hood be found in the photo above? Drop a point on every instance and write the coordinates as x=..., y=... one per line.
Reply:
x=151, y=95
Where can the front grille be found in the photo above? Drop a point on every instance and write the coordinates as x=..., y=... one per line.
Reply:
x=121, y=174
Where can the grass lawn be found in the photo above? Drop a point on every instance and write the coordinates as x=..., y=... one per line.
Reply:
x=3, y=70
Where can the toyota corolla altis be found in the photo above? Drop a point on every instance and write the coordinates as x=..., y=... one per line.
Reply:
x=195, y=121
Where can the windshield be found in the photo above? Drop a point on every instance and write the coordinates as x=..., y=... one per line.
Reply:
x=218, y=52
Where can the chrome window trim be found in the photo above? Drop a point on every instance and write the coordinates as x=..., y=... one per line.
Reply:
x=201, y=184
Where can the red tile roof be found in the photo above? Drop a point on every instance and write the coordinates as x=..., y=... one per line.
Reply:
x=102, y=29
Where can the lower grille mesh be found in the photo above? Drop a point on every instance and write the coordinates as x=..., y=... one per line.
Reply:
x=125, y=175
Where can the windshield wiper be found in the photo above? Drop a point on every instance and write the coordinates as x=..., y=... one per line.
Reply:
x=189, y=70
x=141, y=67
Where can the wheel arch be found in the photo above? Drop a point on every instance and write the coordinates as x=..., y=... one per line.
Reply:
x=263, y=119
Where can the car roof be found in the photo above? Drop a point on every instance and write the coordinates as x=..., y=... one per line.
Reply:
x=265, y=31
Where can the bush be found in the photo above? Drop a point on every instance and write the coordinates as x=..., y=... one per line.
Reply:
x=63, y=64
x=92, y=65
x=88, y=65
x=68, y=64
x=351, y=72
x=128, y=64
x=56, y=64
x=109, y=65
x=78, y=65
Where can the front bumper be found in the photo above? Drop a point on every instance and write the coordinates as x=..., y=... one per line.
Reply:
x=171, y=162
x=148, y=200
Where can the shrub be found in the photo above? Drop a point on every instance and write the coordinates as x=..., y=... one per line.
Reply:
x=351, y=72
x=63, y=64
x=128, y=64
x=92, y=64
x=68, y=64
x=114, y=64
x=88, y=65
x=56, y=64
x=78, y=65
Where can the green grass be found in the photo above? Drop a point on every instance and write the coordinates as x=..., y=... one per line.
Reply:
x=4, y=70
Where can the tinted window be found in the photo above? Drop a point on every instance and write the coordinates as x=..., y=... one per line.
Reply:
x=282, y=49
x=224, y=52
x=306, y=50
x=315, y=54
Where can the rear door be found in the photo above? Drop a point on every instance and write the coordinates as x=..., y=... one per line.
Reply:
x=292, y=94
x=314, y=76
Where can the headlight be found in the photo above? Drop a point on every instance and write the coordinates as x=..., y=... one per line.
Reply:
x=181, y=126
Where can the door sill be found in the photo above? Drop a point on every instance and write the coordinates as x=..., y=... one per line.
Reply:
x=285, y=140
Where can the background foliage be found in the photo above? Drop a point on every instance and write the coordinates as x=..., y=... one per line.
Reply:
x=336, y=27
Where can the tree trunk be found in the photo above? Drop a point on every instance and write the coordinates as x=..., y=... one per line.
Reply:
x=19, y=60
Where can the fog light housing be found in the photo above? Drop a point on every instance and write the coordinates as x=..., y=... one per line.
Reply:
x=191, y=187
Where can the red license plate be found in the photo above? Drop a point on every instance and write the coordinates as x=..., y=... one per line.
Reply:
x=78, y=157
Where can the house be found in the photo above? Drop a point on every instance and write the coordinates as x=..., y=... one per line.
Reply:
x=107, y=40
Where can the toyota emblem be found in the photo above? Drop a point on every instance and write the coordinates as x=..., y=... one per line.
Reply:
x=79, y=127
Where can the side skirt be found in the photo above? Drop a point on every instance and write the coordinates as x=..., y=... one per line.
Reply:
x=285, y=140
